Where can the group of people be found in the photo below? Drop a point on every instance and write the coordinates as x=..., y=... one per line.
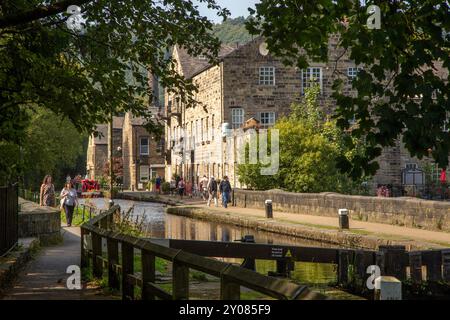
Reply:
x=210, y=187
x=68, y=197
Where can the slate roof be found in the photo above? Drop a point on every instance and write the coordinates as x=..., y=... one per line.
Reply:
x=102, y=129
x=193, y=65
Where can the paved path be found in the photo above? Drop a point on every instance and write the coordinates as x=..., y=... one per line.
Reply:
x=358, y=227
x=45, y=277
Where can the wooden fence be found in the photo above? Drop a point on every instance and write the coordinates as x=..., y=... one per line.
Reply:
x=118, y=262
x=428, y=265
x=9, y=210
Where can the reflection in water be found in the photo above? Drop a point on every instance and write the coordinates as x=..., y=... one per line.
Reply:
x=162, y=225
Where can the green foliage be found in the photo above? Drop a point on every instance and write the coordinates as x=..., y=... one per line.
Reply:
x=232, y=31
x=165, y=187
x=86, y=76
x=50, y=145
x=310, y=145
x=399, y=91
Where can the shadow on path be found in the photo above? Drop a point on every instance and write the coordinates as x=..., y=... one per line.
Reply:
x=45, y=277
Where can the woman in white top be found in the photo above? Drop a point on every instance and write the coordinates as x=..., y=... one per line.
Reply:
x=69, y=200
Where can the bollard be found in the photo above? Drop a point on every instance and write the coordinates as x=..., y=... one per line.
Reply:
x=343, y=219
x=110, y=203
x=269, y=211
x=388, y=288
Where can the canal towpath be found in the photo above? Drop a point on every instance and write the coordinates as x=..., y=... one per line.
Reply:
x=367, y=234
x=44, y=278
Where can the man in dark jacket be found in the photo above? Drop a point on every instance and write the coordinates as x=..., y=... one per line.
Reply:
x=212, y=191
x=225, y=190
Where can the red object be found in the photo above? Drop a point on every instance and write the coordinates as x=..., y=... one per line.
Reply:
x=443, y=177
x=90, y=185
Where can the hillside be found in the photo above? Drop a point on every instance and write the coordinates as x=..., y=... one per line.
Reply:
x=232, y=31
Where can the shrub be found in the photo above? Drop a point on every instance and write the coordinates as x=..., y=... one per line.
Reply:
x=165, y=187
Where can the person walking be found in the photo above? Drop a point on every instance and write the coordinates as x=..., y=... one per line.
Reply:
x=204, y=188
x=225, y=190
x=47, y=192
x=173, y=186
x=212, y=191
x=181, y=187
x=158, y=184
x=69, y=200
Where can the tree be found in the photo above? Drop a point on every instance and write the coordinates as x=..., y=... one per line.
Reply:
x=403, y=89
x=310, y=146
x=232, y=31
x=51, y=145
x=87, y=76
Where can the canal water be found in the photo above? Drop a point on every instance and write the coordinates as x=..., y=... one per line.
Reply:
x=158, y=224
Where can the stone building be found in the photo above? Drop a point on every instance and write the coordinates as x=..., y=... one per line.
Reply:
x=249, y=86
x=142, y=153
x=97, y=151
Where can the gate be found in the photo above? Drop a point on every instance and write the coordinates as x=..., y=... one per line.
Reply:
x=9, y=218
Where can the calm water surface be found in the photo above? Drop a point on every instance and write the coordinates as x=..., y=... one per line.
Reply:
x=159, y=224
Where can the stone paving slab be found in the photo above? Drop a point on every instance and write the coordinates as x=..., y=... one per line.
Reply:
x=45, y=277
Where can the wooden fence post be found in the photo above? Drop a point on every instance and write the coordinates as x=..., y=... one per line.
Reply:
x=180, y=281
x=343, y=262
x=229, y=290
x=113, y=259
x=434, y=266
x=127, y=268
x=360, y=266
x=97, y=251
x=446, y=265
x=148, y=274
x=104, y=223
x=84, y=259
x=415, y=266
x=392, y=261
x=110, y=221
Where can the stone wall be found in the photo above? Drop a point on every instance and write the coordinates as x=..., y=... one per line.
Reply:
x=37, y=221
x=404, y=211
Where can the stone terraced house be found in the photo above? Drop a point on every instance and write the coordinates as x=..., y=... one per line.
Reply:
x=142, y=153
x=97, y=152
x=249, y=85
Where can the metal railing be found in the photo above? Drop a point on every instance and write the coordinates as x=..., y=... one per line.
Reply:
x=122, y=275
x=9, y=219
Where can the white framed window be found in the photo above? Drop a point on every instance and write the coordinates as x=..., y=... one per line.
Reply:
x=143, y=173
x=143, y=146
x=310, y=76
x=153, y=173
x=237, y=117
x=352, y=73
x=207, y=128
x=267, y=119
x=201, y=128
x=160, y=147
x=267, y=76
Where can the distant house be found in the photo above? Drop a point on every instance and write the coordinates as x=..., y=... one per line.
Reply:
x=97, y=152
x=143, y=154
